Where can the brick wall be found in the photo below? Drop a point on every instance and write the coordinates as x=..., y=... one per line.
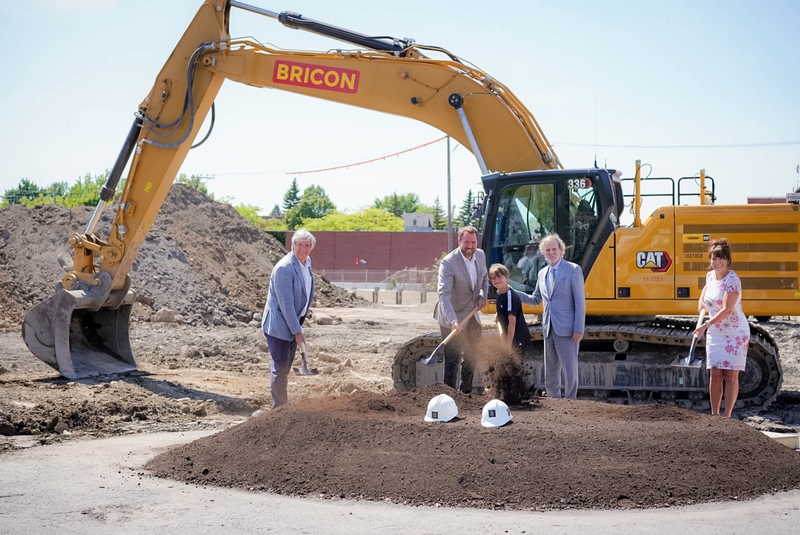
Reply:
x=381, y=250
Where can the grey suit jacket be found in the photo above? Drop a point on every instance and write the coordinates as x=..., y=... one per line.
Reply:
x=457, y=297
x=565, y=304
x=286, y=299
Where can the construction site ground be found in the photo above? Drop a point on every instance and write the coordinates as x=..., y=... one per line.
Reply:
x=347, y=437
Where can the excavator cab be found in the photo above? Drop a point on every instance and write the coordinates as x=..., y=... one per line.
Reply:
x=521, y=208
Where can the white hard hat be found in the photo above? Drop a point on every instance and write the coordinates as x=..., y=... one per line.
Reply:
x=495, y=413
x=441, y=408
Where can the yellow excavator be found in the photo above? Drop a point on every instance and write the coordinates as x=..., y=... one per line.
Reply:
x=637, y=278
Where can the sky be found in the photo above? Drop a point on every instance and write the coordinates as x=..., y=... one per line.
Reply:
x=680, y=85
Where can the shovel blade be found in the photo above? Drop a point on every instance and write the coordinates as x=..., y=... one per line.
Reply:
x=68, y=334
x=689, y=361
x=436, y=357
x=304, y=366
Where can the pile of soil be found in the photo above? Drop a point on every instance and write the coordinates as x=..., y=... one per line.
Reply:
x=556, y=454
x=201, y=259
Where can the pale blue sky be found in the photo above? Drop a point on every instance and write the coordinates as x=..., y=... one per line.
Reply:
x=616, y=79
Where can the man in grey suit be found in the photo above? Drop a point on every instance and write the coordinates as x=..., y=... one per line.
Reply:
x=560, y=287
x=291, y=290
x=463, y=285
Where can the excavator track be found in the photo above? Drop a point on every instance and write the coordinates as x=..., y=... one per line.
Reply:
x=627, y=363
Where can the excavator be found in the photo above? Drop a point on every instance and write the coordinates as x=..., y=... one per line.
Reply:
x=641, y=281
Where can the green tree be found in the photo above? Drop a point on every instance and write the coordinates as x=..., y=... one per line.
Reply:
x=194, y=181
x=439, y=217
x=465, y=213
x=370, y=219
x=250, y=212
x=86, y=190
x=292, y=196
x=276, y=211
x=26, y=189
x=58, y=189
x=314, y=204
x=399, y=204
x=54, y=193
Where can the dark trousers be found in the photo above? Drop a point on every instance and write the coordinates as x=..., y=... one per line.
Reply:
x=463, y=345
x=281, y=358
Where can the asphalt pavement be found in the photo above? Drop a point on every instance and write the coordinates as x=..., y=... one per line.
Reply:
x=98, y=487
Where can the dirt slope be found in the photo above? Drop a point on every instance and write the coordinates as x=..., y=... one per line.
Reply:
x=201, y=259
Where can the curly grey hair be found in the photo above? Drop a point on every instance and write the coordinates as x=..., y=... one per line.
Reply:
x=303, y=235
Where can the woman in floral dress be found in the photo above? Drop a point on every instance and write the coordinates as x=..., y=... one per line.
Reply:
x=727, y=328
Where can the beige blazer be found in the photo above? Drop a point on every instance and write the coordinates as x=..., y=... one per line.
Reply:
x=457, y=297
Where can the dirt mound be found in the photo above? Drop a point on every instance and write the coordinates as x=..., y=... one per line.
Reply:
x=556, y=454
x=201, y=259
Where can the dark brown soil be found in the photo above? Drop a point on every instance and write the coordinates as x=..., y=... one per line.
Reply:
x=555, y=454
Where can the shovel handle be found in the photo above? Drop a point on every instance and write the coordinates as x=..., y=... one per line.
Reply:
x=465, y=319
x=449, y=337
x=700, y=319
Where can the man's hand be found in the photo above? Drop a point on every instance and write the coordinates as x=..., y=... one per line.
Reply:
x=300, y=338
x=455, y=326
x=481, y=303
x=577, y=337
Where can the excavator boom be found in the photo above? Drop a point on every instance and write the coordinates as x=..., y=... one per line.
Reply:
x=83, y=329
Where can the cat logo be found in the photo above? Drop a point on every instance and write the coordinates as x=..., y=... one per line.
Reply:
x=657, y=261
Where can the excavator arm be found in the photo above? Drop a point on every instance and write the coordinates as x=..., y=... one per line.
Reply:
x=83, y=329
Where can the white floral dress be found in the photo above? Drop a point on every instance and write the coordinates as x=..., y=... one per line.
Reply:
x=726, y=341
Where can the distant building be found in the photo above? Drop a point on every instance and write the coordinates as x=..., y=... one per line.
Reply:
x=418, y=222
x=766, y=200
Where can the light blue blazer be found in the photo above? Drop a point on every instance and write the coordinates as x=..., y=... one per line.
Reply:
x=286, y=299
x=564, y=310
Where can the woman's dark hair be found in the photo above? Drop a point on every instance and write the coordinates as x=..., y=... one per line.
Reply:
x=720, y=249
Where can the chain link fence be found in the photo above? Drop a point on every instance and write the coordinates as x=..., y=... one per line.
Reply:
x=411, y=279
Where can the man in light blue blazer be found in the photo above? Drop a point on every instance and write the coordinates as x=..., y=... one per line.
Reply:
x=560, y=287
x=291, y=290
x=463, y=285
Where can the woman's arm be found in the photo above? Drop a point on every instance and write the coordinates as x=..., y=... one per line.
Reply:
x=701, y=303
x=728, y=303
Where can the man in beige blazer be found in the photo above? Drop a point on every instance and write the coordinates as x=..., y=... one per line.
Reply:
x=463, y=284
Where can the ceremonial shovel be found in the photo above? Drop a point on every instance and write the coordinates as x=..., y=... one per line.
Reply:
x=304, y=368
x=689, y=361
x=430, y=361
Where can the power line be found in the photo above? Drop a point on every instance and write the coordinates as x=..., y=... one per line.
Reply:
x=372, y=160
x=723, y=146
x=366, y=161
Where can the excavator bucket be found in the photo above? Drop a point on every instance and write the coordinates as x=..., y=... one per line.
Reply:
x=78, y=338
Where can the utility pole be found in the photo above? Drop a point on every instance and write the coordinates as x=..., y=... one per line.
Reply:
x=449, y=203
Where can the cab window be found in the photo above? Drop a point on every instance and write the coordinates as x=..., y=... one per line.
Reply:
x=525, y=213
